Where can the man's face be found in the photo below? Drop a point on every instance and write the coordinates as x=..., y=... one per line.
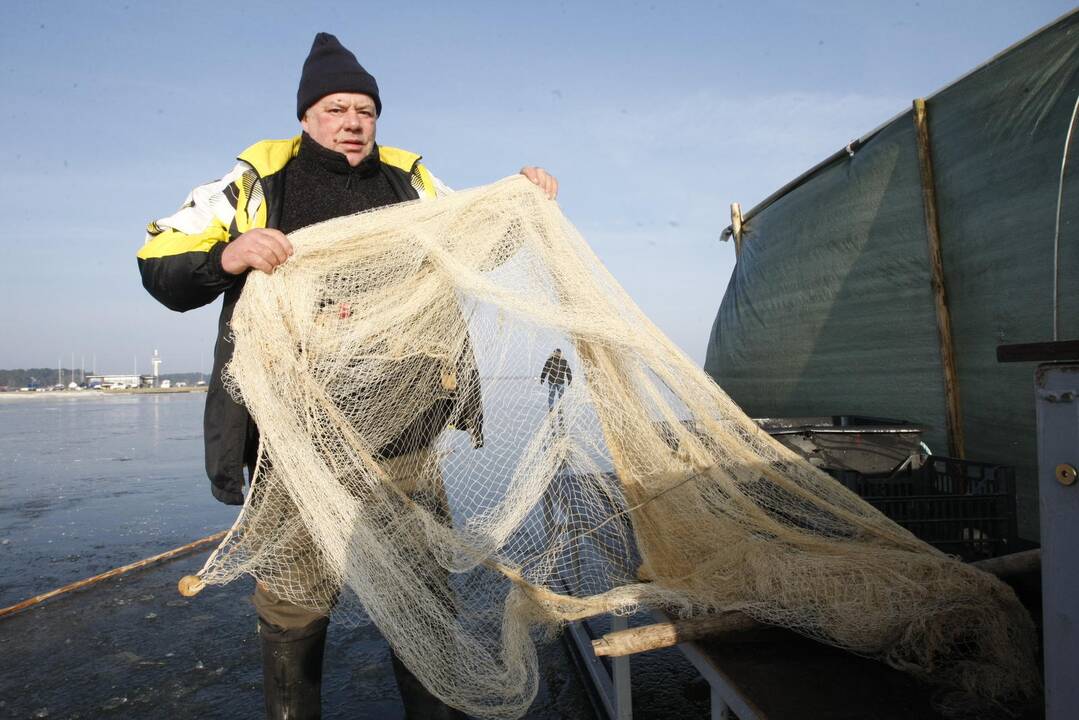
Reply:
x=343, y=122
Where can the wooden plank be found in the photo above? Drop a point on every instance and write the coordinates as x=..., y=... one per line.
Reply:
x=956, y=444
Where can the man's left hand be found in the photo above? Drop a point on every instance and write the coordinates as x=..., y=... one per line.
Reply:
x=543, y=179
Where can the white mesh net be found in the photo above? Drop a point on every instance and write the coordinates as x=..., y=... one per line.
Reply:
x=412, y=472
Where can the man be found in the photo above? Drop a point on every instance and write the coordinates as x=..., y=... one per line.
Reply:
x=239, y=224
x=558, y=374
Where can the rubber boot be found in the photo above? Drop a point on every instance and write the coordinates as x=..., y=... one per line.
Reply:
x=420, y=704
x=292, y=670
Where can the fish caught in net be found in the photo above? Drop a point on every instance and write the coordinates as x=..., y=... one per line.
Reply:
x=412, y=471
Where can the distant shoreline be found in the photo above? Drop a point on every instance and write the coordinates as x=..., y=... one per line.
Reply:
x=66, y=394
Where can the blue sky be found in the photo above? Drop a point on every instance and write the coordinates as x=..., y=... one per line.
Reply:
x=654, y=116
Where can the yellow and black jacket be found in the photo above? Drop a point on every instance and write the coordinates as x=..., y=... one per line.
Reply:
x=180, y=265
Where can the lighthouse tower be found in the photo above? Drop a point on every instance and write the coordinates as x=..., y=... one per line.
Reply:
x=156, y=362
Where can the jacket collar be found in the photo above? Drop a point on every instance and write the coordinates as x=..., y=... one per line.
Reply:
x=270, y=156
x=315, y=157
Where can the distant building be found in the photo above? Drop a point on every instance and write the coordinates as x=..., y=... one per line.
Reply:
x=115, y=381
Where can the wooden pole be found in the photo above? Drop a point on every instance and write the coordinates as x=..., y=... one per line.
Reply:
x=1018, y=563
x=666, y=634
x=216, y=537
x=661, y=635
x=956, y=444
x=736, y=228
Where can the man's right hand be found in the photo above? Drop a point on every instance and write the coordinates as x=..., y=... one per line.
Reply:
x=259, y=249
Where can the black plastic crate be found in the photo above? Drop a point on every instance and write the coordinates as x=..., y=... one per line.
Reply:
x=962, y=507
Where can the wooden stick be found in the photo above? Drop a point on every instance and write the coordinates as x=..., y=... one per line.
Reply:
x=736, y=228
x=661, y=635
x=216, y=537
x=956, y=443
x=1014, y=564
x=667, y=634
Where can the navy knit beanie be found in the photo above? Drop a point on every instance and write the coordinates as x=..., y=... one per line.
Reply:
x=331, y=68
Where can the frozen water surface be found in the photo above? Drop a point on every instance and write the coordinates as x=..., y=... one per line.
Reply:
x=91, y=483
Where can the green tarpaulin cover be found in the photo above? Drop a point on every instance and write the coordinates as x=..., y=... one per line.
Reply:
x=830, y=310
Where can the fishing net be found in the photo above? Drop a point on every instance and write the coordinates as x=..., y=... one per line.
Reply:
x=412, y=471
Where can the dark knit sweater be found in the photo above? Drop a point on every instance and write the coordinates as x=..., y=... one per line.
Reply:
x=321, y=185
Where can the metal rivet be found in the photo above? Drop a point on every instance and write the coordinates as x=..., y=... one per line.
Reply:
x=1066, y=474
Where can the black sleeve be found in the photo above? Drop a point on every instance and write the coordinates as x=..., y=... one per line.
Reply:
x=188, y=280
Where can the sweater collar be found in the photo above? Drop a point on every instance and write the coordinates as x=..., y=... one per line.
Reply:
x=314, y=155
